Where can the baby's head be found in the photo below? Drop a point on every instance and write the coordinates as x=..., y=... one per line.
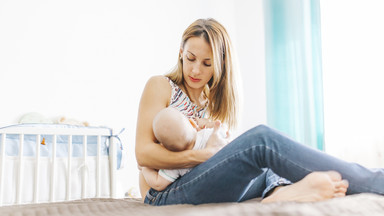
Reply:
x=173, y=129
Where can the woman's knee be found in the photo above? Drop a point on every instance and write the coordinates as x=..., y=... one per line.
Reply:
x=262, y=127
x=258, y=133
x=262, y=130
x=259, y=136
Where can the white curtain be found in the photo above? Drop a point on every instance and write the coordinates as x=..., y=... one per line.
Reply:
x=293, y=69
x=353, y=56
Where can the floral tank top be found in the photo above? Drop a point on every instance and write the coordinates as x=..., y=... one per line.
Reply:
x=181, y=102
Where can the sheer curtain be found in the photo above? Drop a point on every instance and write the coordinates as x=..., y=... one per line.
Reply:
x=293, y=69
x=353, y=56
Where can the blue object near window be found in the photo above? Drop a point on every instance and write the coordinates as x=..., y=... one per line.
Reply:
x=293, y=69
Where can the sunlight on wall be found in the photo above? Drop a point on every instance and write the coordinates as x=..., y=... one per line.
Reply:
x=352, y=38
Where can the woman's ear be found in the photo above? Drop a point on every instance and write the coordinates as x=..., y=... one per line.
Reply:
x=181, y=54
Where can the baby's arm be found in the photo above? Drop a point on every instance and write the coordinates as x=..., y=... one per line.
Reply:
x=154, y=180
x=216, y=140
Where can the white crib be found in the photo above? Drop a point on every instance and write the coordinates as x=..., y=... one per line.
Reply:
x=36, y=177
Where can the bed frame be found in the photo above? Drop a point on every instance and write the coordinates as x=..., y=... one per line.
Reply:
x=70, y=132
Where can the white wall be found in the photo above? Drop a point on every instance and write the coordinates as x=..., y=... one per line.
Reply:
x=89, y=60
x=352, y=39
x=251, y=57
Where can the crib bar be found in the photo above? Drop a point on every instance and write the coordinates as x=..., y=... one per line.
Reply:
x=53, y=170
x=20, y=175
x=85, y=169
x=2, y=153
x=112, y=167
x=68, y=196
x=98, y=169
x=37, y=169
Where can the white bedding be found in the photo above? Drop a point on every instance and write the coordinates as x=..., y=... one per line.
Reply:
x=354, y=205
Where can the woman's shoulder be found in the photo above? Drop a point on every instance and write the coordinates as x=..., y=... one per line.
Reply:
x=157, y=87
x=158, y=80
x=159, y=83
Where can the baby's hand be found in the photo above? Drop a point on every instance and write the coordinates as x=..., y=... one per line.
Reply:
x=205, y=123
x=216, y=141
x=202, y=122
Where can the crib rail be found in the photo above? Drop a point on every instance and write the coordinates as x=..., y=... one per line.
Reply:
x=55, y=132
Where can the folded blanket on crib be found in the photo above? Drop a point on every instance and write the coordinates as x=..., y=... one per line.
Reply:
x=361, y=204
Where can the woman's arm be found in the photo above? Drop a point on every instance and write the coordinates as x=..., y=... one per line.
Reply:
x=156, y=96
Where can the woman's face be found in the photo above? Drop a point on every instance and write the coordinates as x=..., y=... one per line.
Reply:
x=197, y=63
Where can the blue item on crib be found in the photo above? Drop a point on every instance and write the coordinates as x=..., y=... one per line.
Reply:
x=29, y=148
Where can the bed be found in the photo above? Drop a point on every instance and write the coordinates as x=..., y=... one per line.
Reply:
x=35, y=180
x=354, y=205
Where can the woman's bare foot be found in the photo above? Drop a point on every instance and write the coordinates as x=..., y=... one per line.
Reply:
x=316, y=186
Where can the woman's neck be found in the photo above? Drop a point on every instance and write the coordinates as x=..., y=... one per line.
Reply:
x=195, y=95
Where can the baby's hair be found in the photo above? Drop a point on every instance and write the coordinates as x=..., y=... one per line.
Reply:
x=167, y=122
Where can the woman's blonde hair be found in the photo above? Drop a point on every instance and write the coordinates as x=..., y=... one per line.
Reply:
x=221, y=90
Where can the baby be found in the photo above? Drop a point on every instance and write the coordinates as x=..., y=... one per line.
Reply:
x=178, y=133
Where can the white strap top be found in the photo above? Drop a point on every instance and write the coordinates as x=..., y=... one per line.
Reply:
x=181, y=102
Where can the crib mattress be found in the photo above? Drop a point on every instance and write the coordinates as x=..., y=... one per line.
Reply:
x=29, y=150
x=13, y=142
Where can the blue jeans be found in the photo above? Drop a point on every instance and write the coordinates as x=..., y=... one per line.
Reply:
x=244, y=169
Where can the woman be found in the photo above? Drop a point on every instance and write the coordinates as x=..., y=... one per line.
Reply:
x=203, y=85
